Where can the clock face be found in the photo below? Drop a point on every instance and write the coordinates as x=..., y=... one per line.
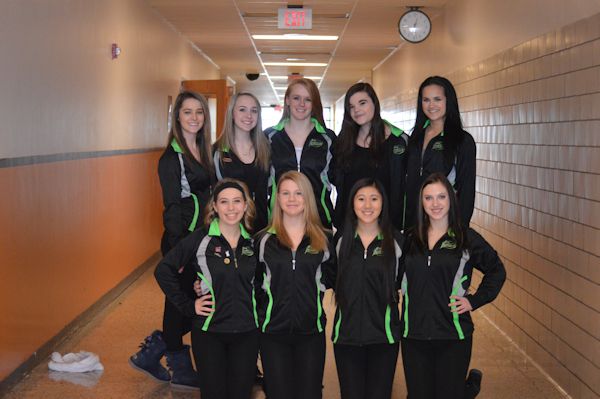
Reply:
x=414, y=26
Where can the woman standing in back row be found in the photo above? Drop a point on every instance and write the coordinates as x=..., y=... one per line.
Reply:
x=369, y=147
x=301, y=142
x=242, y=152
x=439, y=144
x=185, y=171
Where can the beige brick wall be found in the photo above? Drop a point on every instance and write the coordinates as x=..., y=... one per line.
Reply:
x=534, y=111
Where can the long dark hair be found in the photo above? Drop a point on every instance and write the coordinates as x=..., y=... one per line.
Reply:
x=455, y=227
x=453, y=128
x=388, y=266
x=203, y=136
x=344, y=146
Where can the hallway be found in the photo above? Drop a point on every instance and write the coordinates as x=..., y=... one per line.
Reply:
x=117, y=330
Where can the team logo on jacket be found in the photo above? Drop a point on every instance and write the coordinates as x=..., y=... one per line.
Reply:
x=315, y=143
x=218, y=251
x=398, y=149
x=247, y=251
x=377, y=251
x=438, y=146
x=448, y=244
x=310, y=250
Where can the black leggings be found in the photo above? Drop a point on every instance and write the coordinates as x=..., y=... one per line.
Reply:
x=226, y=363
x=436, y=369
x=175, y=324
x=293, y=365
x=366, y=371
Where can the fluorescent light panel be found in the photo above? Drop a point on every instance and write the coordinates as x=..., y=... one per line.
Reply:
x=314, y=64
x=295, y=36
x=277, y=77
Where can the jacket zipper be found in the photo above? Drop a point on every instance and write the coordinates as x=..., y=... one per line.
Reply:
x=429, y=260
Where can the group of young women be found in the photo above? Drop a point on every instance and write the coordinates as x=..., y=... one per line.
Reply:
x=264, y=254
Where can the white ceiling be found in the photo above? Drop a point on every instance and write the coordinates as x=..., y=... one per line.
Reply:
x=222, y=29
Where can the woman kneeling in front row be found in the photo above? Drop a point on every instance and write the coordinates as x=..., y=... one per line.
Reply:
x=438, y=262
x=224, y=331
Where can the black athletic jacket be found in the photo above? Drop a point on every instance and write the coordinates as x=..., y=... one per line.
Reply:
x=229, y=165
x=185, y=189
x=290, y=286
x=429, y=279
x=391, y=173
x=368, y=318
x=315, y=163
x=226, y=274
x=460, y=173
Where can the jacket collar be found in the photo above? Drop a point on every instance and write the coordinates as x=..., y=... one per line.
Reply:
x=215, y=231
x=318, y=127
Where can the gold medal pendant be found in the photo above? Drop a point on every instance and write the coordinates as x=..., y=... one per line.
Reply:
x=226, y=261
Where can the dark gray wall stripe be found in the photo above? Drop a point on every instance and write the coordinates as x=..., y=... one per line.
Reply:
x=69, y=156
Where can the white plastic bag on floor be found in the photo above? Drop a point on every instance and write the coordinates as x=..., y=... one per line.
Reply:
x=81, y=362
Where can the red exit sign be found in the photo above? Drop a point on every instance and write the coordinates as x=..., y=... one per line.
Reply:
x=295, y=18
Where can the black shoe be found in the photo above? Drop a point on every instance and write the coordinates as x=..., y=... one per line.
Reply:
x=147, y=359
x=473, y=383
x=183, y=374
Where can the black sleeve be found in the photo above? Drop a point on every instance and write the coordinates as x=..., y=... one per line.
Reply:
x=486, y=260
x=332, y=270
x=169, y=173
x=259, y=293
x=402, y=261
x=331, y=172
x=465, y=178
x=167, y=274
x=329, y=267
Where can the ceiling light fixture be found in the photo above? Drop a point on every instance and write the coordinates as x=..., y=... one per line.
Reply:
x=294, y=36
x=314, y=64
x=277, y=77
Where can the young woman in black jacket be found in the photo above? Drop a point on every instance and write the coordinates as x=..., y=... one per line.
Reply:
x=369, y=146
x=224, y=330
x=438, y=143
x=301, y=142
x=294, y=265
x=366, y=328
x=185, y=170
x=242, y=152
x=439, y=258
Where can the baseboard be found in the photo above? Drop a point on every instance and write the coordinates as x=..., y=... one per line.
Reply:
x=44, y=352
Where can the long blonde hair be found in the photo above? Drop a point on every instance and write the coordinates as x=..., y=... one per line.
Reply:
x=209, y=211
x=313, y=227
x=259, y=140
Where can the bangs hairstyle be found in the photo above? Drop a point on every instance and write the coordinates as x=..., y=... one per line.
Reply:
x=453, y=128
x=210, y=214
x=349, y=132
x=315, y=97
x=454, y=221
x=388, y=266
x=259, y=140
x=203, y=135
x=313, y=228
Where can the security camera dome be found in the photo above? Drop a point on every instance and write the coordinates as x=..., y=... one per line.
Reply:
x=252, y=76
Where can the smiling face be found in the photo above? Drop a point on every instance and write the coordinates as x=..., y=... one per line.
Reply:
x=230, y=206
x=436, y=202
x=367, y=205
x=245, y=114
x=290, y=198
x=191, y=116
x=362, y=108
x=300, y=102
x=433, y=102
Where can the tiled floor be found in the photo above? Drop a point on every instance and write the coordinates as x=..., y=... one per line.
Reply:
x=117, y=330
